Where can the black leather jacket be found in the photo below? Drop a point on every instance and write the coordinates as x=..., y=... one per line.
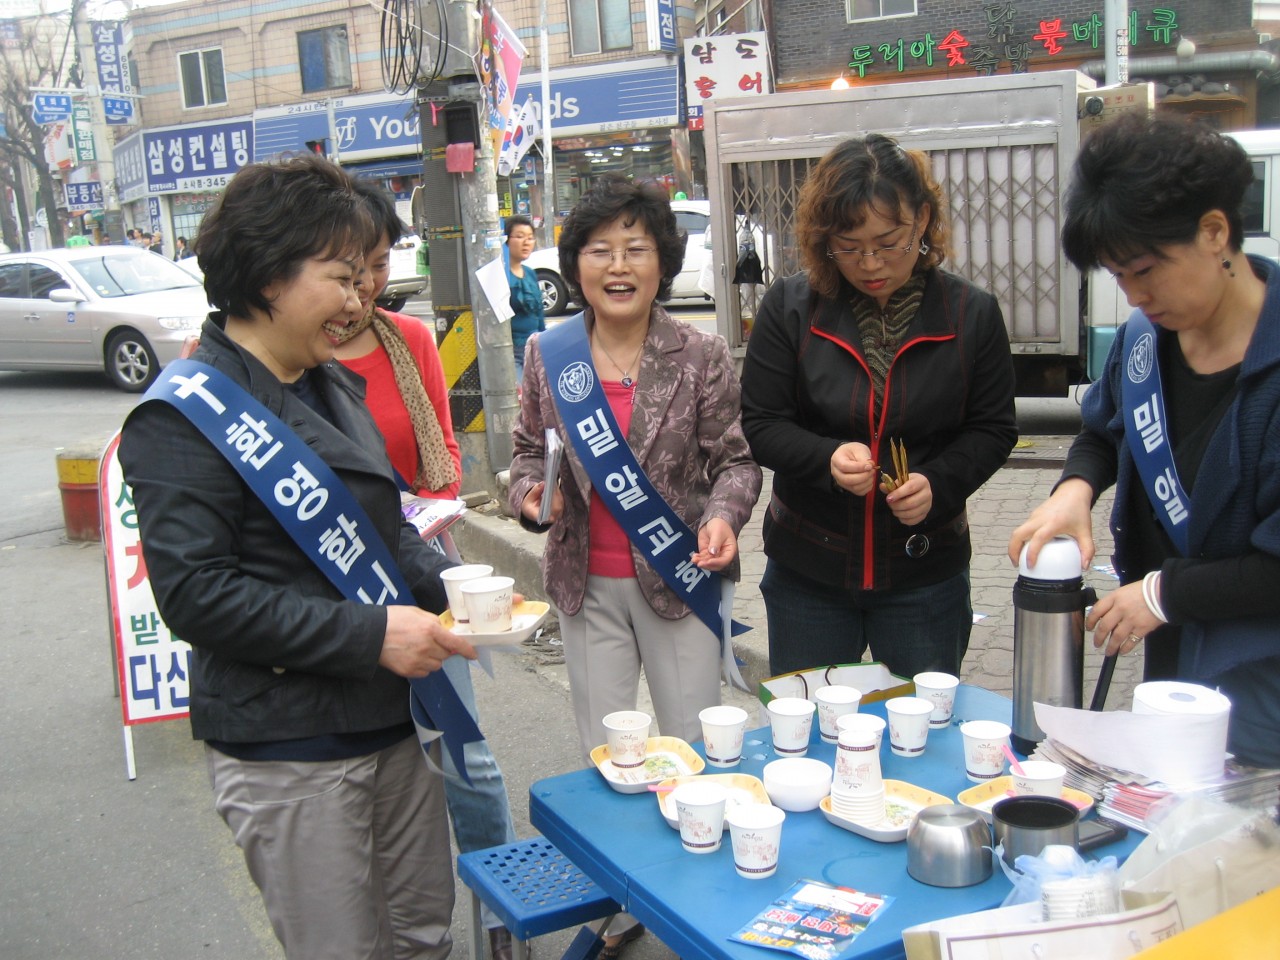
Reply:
x=278, y=654
x=806, y=390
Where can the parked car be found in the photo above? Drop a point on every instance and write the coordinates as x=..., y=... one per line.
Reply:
x=693, y=216
x=405, y=282
x=120, y=309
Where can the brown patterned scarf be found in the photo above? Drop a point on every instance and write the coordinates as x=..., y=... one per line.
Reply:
x=882, y=330
x=436, y=469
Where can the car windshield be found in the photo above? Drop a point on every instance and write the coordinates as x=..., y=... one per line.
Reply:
x=122, y=276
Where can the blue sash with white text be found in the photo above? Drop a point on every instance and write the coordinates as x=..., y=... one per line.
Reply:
x=1146, y=429
x=318, y=511
x=650, y=524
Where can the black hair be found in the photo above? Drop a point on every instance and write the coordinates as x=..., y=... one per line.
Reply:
x=382, y=207
x=1141, y=184
x=614, y=197
x=516, y=221
x=273, y=217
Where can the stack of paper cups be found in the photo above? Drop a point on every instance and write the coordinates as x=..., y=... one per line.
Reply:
x=1193, y=758
x=857, y=787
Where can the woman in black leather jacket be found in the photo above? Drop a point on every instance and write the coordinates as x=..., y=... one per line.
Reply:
x=299, y=694
x=873, y=342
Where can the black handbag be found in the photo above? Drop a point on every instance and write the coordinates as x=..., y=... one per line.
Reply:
x=748, y=269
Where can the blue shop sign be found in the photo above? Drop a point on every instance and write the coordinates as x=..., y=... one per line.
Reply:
x=84, y=196
x=365, y=128
x=667, y=40
x=131, y=168
x=608, y=97
x=197, y=156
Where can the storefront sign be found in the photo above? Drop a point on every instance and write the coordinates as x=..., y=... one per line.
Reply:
x=196, y=157
x=131, y=168
x=82, y=132
x=733, y=65
x=113, y=75
x=84, y=196
x=629, y=95
x=366, y=127
x=660, y=15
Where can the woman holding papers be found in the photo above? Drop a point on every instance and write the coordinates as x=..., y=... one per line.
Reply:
x=526, y=294
x=671, y=391
x=1185, y=420
x=406, y=392
x=263, y=496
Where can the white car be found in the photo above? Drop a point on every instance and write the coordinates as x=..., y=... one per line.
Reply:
x=404, y=282
x=693, y=216
x=115, y=308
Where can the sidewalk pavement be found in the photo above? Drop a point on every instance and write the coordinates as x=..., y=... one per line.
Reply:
x=488, y=536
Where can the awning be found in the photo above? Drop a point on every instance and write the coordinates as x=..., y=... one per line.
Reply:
x=405, y=166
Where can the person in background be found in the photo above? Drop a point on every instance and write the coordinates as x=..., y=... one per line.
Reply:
x=155, y=243
x=526, y=295
x=872, y=345
x=1157, y=202
x=183, y=251
x=408, y=397
x=300, y=695
x=673, y=393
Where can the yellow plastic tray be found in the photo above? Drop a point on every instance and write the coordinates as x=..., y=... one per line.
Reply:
x=984, y=796
x=665, y=757
x=741, y=788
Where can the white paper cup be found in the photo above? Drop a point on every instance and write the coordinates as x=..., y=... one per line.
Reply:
x=862, y=721
x=723, y=728
x=984, y=741
x=700, y=809
x=908, y=724
x=940, y=689
x=791, y=720
x=857, y=768
x=835, y=702
x=453, y=579
x=627, y=733
x=488, y=601
x=755, y=833
x=1040, y=777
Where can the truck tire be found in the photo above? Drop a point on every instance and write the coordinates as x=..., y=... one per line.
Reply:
x=555, y=293
x=129, y=361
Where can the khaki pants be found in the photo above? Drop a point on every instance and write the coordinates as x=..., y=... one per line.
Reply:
x=352, y=856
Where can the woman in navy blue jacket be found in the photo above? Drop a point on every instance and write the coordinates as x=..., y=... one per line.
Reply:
x=1157, y=201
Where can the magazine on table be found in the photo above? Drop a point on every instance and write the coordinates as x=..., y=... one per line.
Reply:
x=550, y=473
x=814, y=920
x=431, y=517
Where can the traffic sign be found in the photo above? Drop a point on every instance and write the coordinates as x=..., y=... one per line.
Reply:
x=117, y=107
x=51, y=107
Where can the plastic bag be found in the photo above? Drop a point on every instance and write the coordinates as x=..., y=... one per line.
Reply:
x=1055, y=862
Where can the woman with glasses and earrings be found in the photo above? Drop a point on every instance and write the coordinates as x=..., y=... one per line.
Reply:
x=647, y=409
x=1185, y=420
x=879, y=389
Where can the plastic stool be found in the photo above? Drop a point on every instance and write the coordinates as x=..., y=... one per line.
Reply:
x=534, y=889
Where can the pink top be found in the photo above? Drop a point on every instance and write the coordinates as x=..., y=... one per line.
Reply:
x=609, y=552
x=383, y=399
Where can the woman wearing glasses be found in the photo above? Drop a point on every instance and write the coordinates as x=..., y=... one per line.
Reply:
x=874, y=346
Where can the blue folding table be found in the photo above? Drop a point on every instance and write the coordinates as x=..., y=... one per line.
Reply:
x=693, y=903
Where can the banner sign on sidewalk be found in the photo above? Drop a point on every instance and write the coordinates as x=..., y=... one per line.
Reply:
x=154, y=666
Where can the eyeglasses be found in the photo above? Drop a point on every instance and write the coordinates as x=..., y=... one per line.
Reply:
x=602, y=257
x=883, y=254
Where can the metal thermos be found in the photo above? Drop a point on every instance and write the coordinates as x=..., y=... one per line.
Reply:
x=1049, y=601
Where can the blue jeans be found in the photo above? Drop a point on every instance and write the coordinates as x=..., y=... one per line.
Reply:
x=909, y=631
x=480, y=812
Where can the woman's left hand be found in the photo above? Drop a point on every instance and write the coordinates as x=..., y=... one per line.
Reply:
x=1121, y=620
x=717, y=546
x=912, y=501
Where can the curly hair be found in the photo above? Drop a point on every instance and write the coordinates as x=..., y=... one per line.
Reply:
x=861, y=175
x=615, y=197
x=271, y=219
x=1142, y=183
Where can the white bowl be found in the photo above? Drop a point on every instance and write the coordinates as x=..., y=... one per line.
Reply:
x=797, y=783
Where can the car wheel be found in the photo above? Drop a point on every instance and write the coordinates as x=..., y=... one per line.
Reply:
x=130, y=362
x=394, y=305
x=555, y=293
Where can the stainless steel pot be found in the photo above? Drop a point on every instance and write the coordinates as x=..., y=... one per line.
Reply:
x=949, y=846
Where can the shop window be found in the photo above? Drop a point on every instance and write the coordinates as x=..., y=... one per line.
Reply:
x=880, y=9
x=599, y=25
x=325, y=58
x=203, y=82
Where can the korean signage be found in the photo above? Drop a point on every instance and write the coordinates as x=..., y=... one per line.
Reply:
x=49, y=108
x=82, y=132
x=113, y=72
x=10, y=34
x=131, y=168
x=660, y=16
x=154, y=665
x=196, y=157
x=628, y=95
x=1012, y=40
x=365, y=127
x=84, y=196
x=733, y=65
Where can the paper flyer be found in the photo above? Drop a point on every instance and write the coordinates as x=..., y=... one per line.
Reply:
x=814, y=920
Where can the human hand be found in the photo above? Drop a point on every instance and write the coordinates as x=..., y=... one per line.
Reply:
x=852, y=468
x=912, y=501
x=416, y=644
x=1066, y=513
x=1121, y=620
x=717, y=546
x=531, y=506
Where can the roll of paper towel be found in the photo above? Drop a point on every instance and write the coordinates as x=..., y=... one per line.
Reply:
x=1200, y=755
